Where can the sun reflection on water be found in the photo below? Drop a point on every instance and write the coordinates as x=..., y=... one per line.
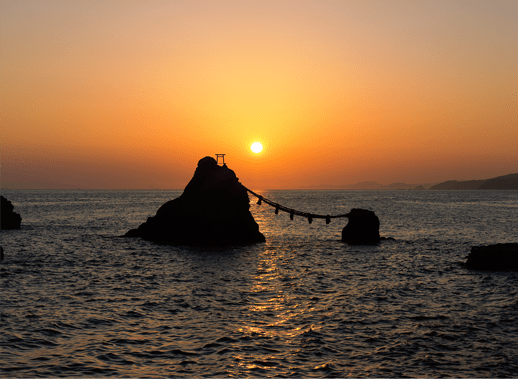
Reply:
x=272, y=298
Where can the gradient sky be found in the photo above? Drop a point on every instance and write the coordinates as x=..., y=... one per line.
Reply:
x=131, y=94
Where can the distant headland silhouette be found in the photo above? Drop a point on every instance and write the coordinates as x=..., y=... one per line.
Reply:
x=505, y=182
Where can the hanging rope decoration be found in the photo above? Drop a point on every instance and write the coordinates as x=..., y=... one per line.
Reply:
x=292, y=212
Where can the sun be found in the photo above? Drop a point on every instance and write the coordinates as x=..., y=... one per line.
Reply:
x=257, y=147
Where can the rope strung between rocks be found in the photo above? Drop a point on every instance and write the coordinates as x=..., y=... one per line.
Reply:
x=293, y=212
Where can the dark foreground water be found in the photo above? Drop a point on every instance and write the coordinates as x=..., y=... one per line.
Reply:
x=78, y=300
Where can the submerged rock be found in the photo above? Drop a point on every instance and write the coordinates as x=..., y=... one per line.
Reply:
x=363, y=228
x=502, y=256
x=8, y=218
x=214, y=209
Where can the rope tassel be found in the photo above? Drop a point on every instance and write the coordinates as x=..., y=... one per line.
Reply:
x=292, y=212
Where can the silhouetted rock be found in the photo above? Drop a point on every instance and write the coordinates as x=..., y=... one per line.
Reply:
x=214, y=209
x=8, y=218
x=362, y=229
x=502, y=256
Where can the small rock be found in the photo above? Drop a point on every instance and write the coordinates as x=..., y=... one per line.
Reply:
x=363, y=228
x=502, y=256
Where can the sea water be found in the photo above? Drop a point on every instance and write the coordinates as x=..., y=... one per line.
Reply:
x=76, y=299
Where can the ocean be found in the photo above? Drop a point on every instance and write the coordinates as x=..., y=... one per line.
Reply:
x=78, y=300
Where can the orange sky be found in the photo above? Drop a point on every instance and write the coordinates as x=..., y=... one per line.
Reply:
x=131, y=94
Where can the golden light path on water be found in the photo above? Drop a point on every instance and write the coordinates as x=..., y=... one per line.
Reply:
x=281, y=307
x=274, y=312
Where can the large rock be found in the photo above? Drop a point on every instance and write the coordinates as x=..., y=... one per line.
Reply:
x=8, y=218
x=502, y=256
x=214, y=209
x=363, y=228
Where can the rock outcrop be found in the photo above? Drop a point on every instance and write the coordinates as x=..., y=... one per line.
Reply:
x=502, y=256
x=214, y=209
x=8, y=218
x=362, y=229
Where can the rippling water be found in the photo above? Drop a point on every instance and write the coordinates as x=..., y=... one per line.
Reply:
x=78, y=300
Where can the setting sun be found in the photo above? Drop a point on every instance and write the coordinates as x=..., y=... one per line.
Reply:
x=257, y=147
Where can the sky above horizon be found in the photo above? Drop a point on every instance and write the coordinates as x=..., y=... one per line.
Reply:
x=131, y=94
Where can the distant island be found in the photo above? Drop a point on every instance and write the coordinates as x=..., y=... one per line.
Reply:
x=393, y=186
x=506, y=182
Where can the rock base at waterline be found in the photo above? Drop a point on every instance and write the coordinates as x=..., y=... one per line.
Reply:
x=8, y=218
x=363, y=228
x=502, y=256
x=214, y=209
